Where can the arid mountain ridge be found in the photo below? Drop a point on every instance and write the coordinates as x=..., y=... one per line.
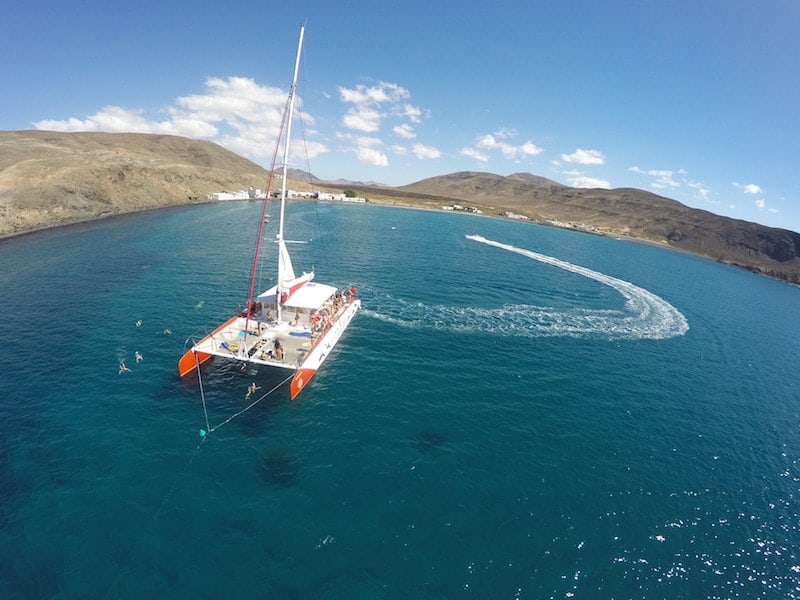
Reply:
x=53, y=178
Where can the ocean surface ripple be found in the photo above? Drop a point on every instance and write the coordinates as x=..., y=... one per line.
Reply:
x=645, y=316
x=473, y=435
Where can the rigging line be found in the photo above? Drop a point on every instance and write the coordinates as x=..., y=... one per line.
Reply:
x=251, y=405
x=308, y=174
x=285, y=123
x=310, y=182
x=202, y=394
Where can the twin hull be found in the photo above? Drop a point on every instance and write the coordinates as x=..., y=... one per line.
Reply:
x=224, y=342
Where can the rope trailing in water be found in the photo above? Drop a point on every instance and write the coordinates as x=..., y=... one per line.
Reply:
x=209, y=429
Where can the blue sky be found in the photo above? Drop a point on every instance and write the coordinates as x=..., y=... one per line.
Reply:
x=696, y=101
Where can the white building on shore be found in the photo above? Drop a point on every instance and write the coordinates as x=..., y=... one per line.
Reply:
x=257, y=194
x=248, y=194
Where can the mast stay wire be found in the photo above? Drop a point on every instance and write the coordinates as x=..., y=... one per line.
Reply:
x=301, y=121
x=182, y=474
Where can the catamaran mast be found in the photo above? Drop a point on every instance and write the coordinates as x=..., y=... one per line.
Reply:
x=279, y=290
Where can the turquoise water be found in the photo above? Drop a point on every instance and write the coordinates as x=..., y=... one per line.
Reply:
x=620, y=422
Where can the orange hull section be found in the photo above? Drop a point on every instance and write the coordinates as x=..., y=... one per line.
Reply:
x=189, y=363
x=299, y=381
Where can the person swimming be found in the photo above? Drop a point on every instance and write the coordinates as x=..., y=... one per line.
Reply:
x=138, y=356
x=123, y=368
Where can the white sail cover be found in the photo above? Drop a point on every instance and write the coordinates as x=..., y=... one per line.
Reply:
x=285, y=268
x=310, y=295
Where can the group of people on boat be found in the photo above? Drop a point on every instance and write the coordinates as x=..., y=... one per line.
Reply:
x=277, y=352
x=321, y=320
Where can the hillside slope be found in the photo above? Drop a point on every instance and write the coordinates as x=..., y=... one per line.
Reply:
x=53, y=178
x=626, y=212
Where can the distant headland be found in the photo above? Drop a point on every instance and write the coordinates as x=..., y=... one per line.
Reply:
x=50, y=178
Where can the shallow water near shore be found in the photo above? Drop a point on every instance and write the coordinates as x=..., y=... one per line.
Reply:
x=537, y=413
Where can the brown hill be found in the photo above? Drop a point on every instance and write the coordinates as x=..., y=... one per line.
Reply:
x=52, y=178
x=626, y=212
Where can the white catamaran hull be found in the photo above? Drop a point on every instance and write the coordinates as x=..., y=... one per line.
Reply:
x=323, y=348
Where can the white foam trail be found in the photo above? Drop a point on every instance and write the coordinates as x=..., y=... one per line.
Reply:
x=646, y=316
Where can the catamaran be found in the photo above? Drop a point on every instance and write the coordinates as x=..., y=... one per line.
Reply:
x=295, y=324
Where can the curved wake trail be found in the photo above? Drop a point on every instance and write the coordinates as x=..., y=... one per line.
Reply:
x=646, y=315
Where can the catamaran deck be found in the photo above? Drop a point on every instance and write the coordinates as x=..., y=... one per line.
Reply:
x=258, y=344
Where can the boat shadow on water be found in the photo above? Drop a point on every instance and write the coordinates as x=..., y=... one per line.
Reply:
x=428, y=441
x=280, y=469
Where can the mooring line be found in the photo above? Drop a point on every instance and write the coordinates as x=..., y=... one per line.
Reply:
x=182, y=474
x=245, y=409
x=202, y=394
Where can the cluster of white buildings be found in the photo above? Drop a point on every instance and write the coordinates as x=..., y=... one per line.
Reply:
x=325, y=196
x=248, y=194
x=570, y=225
x=258, y=194
x=459, y=207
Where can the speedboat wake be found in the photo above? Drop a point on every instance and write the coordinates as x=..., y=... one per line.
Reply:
x=645, y=315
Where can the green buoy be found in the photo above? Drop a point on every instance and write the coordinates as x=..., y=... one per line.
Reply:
x=202, y=433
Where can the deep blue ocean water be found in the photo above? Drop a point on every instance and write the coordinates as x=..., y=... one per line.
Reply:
x=562, y=416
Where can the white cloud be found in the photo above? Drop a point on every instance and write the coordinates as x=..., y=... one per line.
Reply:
x=663, y=179
x=371, y=156
x=582, y=181
x=235, y=112
x=404, y=131
x=475, y=154
x=585, y=157
x=505, y=133
x=422, y=152
x=116, y=119
x=372, y=104
x=400, y=150
x=749, y=188
x=494, y=142
x=363, y=118
x=366, y=149
x=530, y=149
x=412, y=113
x=377, y=94
x=701, y=191
x=760, y=203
